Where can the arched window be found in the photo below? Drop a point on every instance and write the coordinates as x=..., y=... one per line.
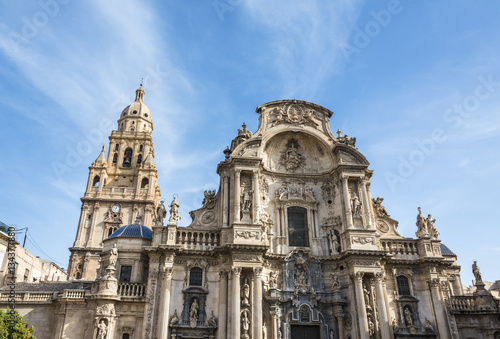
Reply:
x=305, y=316
x=140, y=148
x=117, y=146
x=96, y=181
x=78, y=275
x=139, y=159
x=195, y=276
x=298, y=234
x=403, y=285
x=144, y=183
x=115, y=158
x=127, y=157
x=126, y=336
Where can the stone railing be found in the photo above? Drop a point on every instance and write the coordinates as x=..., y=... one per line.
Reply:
x=74, y=294
x=197, y=240
x=462, y=303
x=28, y=296
x=131, y=290
x=400, y=247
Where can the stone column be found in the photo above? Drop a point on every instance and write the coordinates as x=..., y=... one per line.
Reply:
x=92, y=225
x=442, y=322
x=222, y=305
x=360, y=301
x=275, y=314
x=164, y=314
x=339, y=314
x=347, y=201
x=257, y=303
x=235, y=295
x=256, y=197
x=237, y=193
x=366, y=205
x=382, y=311
x=225, y=195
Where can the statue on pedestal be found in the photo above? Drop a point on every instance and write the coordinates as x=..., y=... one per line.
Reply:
x=193, y=313
x=356, y=206
x=433, y=232
x=174, y=211
x=161, y=213
x=476, y=272
x=113, y=257
x=421, y=224
x=102, y=330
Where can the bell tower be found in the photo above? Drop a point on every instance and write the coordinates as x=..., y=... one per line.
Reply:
x=122, y=188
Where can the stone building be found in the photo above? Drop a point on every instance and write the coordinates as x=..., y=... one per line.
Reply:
x=291, y=245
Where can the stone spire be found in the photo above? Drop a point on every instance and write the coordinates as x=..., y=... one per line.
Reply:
x=139, y=94
x=149, y=162
x=101, y=159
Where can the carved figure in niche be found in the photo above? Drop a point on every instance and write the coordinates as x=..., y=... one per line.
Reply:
x=408, y=317
x=394, y=325
x=245, y=323
x=264, y=331
x=264, y=229
x=193, y=313
x=336, y=282
x=301, y=280
x=174, y=211
x=273, y=280
x=211, y=320
x=476, y=272
x=332, y=335
x=209, y=199
x=102, y=330
x=431, y=228
x=245, y=294
x=175, y=319
x=113, y=257
x=291, y=158
x=381, y=211
x=334, y=242
x=309, y=194
x=421, y=223
x=282, y=192
x=355, y=205
x=246, y=199
x=367, y=296
x=161, y=213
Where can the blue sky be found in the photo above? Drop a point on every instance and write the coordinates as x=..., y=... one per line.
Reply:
x=417, y=83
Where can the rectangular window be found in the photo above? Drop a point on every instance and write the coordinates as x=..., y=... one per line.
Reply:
x=298, y=229
x=125, y=273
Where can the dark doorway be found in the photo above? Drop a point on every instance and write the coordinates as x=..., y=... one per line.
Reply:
x=305, y=332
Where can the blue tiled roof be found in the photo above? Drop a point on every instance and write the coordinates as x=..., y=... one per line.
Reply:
x=446, y=250
x=133, y=230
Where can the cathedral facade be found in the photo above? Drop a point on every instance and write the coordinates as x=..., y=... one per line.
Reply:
x=291, y=245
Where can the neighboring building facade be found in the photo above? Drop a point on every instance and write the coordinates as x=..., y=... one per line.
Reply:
x=29, y=268
x=291, y=245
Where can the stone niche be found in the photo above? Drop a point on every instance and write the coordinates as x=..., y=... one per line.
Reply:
x=297, y=153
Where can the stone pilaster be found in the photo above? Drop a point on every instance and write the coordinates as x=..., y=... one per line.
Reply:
x=437, y=304
x=164, y=314
x=382, y=311
x=235, y=296
x=257, y=303
x=347, y=201
x=366, y=205
x=360, y=301
x=222, y=326
x=256, y=197
x=237, y=188
x=225, y=195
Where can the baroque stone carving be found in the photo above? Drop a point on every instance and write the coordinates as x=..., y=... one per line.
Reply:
x=336, y=282
x=425, y=226
x=175, y=318
x=209, y=199
x=328, y=192
x=161, y=213
x=291, y=158
x=102, y=330
x=334, y=242
x=273, y=280
x=332, y=221
x=245, y=324
x=105, y=310
x=379, y=208
x=295, y=190
x=355, y=205
x=113, y=257
x=294, y=114
x=174, y=211
x=193, y=313
x=245, y=293
x=208, y=217
x=476, y=272
x=382, y=226
x=362, y=240
x=247, y=234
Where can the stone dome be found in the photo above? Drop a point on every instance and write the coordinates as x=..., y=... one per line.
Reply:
x=138, y=108
x=132, y=231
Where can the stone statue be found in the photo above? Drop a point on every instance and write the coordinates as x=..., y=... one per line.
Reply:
x=175, y=319
x=421, y=223
x=476, y=272
x=246, y=199
x=291, y=158
x=334, y=243
x=408, y=317
x=211, y=320
x=356, y=206
x=245, y=294
x=394, y=325
x=161, y=213
x=430, y=227
x=102, y=330
x=367, y=296
x=209, y=199
x=336, y=282
x=381, y=211
x=174, y=211
x=332, y=335
x=264, y=331
x=113, y=256
x=193, y=313
x=273, y=280
x=371, y=327
x=245, y=322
